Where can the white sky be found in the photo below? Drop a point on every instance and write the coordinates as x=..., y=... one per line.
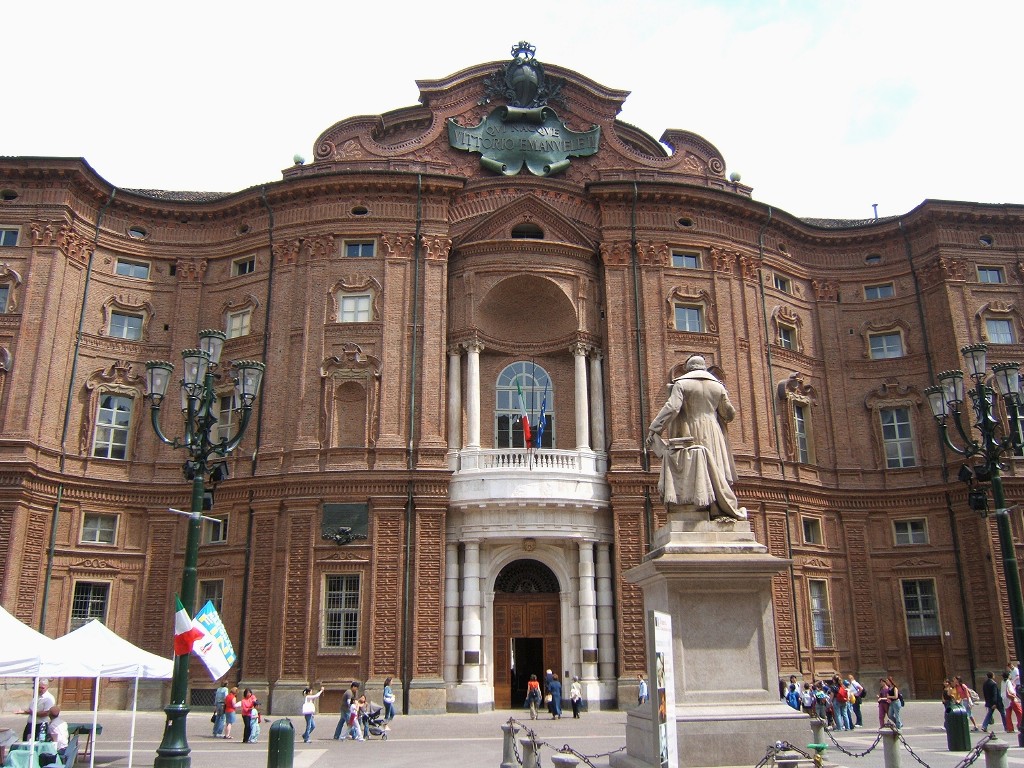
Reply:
x=823, y=107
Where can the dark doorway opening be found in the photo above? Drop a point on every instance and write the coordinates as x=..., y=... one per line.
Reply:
x=527, y=659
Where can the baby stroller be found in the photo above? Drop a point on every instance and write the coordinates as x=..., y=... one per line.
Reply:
x=373, y=723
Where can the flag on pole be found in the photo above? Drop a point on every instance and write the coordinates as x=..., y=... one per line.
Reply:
x=525, y=415
x=540, y=424
x=214, y=646
x=185, y=634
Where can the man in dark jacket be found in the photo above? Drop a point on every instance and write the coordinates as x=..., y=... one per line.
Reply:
x=993, y=701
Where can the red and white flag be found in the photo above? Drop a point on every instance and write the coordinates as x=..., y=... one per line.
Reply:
x=525, y=415
x=185, y=635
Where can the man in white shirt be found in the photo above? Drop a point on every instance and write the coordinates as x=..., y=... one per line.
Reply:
x=43, y=703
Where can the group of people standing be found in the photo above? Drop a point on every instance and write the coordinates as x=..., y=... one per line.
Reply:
x=838, y=701
x=227, y=705
x=998, y=696
x=552, y=696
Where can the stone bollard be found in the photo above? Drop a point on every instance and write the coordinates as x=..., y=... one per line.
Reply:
x=890, y=747
x=995, y=753
x=817, y=730
x=529, y=754
x=562, y=760
x=508, y=748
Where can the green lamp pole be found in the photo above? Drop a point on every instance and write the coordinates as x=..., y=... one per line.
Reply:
x=198, y=400
x=995, y=439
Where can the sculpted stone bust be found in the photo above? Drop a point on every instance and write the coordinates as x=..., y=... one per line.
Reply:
x=689, y=434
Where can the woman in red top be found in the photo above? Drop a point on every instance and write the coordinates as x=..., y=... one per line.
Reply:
x=247, y=703
x=230, y=702
x=533, y=696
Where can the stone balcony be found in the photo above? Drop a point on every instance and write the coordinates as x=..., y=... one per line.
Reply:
x=535, y=477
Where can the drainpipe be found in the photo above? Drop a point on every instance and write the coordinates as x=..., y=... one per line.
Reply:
x=964, y=618
x=67, y=414
x=410, y=502
x=645, y=456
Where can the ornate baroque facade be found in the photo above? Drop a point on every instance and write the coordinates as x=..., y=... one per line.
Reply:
x=402, y=290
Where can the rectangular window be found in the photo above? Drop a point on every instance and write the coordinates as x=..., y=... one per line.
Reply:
x=686, y=259
x=990, y=275
x=225, y=417
x=124, y=326
x=341, y=611
x=112, y=422
x=89, y=602
x=360, y=249
x=886, y=345
x=137, y=269
x=803, y=442
x=821, y=613
x=782, y=283
x=875, y=292
x=787, y=337
x=921, y=607
x=1018, y=431
x=812, y=530
x=999, y=331
x=910, y=532
x=5, y=296
x=211, y=591
x=898, y=438
x=215, y=530
x=239, y=323
x=354, y=308
x=689, y=319
x=8, y=238
x=99, y=529
x=244, y=266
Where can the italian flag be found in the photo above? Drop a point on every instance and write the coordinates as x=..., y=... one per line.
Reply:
x=185, y=635
x=525, y=415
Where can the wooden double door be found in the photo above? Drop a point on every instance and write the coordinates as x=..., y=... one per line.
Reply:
x=527, y=641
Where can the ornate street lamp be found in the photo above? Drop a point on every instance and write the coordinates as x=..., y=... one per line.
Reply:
x=995, y=438
x=198, y=398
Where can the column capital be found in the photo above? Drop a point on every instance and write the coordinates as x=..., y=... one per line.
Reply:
x=580, y=349
x=473, y=345
x=596, y=354
x=454, y=350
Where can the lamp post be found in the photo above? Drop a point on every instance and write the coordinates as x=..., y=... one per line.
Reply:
x=995, y=438
x=198, y=398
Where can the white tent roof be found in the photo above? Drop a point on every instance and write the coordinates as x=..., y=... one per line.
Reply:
x=109, y=655
x=27, y=653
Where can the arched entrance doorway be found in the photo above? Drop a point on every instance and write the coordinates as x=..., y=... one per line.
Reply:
x=527, y=629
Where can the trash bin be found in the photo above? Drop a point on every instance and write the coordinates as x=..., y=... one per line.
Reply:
x=958, y=736
x=281, y=749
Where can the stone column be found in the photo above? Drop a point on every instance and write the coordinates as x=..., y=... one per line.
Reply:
x=588, y=613
x=454, y=398
x=474, y=348
x=579, y=352
x=471, y=624
x=451, y=613
x=597, y=402
x=605, y=615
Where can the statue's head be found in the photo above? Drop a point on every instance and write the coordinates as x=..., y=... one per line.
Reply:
x=695, y=363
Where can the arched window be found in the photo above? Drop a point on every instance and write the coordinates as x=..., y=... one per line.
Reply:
x=538, y=400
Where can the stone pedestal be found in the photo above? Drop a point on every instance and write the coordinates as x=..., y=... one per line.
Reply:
x=715, y=580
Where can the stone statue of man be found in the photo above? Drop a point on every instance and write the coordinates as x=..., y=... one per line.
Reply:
x=689, y=434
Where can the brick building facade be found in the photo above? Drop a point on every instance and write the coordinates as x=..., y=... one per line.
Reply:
x=402, y=292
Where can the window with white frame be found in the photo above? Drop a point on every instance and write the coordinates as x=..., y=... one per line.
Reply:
x=215, y=530
x=5, y=298
x=801, y=432
x=876, y=292
x=129, y=268
x=907, y=532
x=99, y=528
x=1018, y=427
x=89, y=602
x=787, y=336
x=897, y=438
x=125, y=326
x=113, y=420
x=239, y=323
x=211, y=591
x=355, y=308
x=538, y=400
x=341, y=611
x=921, y=607
x=689, y=318
x=821, y=613
x=686, y=259
x=360, y=249
x=226, y=405
x=812, y=530
x=991, y=275
x=243, y=266
x=781, y=283
x=1000, y=330
x=885, y=345
x=8, y=238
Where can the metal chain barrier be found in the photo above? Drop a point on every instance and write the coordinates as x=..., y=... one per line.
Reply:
x=515, y=726
x=973, y=755
x=845, y=751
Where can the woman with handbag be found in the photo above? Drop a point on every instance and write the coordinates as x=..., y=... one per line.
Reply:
x=533, y=696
